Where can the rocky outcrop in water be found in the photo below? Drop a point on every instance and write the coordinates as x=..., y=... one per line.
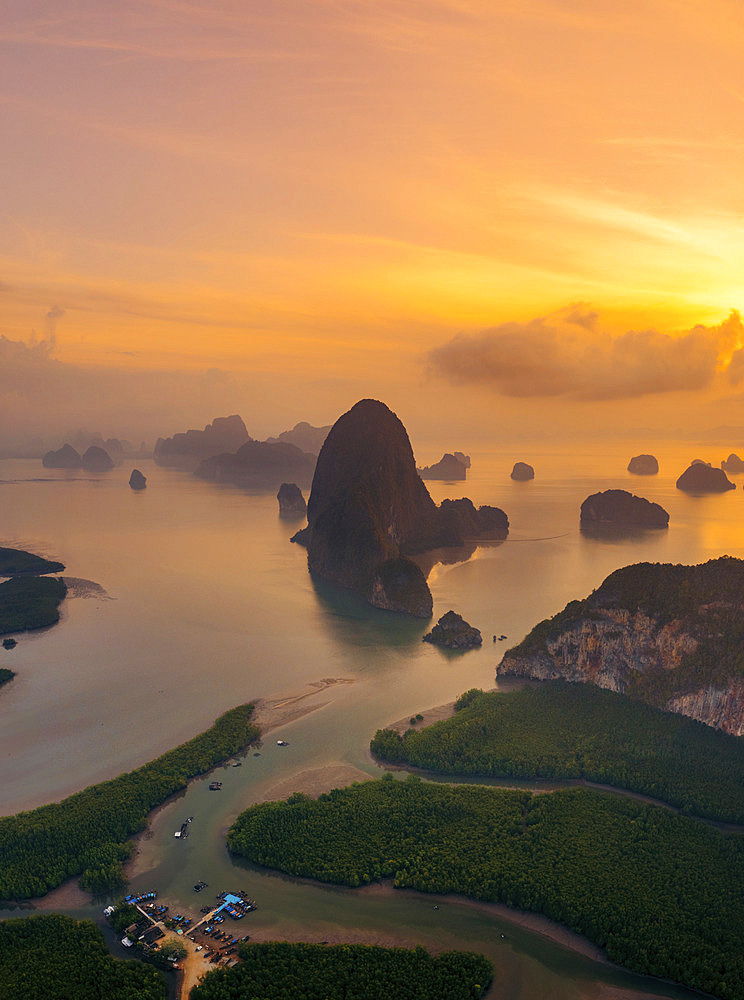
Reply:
x=369, y=513
x=702, y=478
x=97, y=460
x=643, y=465
x=668, y=635
x=223, y=435
x=622, y=508
x=303, y=436
x=291, y=501
x=64, y=458
x=258, y=465
x=453, y=632
x=522, y=472
x=137, y=480
x=461, y=457
x=449, y=468
x=732, y=464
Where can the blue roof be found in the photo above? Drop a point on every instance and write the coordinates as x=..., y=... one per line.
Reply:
x=231, y=898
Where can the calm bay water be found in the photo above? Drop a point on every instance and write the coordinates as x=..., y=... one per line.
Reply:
x=207, y=605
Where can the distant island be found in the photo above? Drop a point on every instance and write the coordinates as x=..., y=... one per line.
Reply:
x=618, y=507
x=449, y=467
x=668, y=635
x=303, y=436
x=732, y=464
x=699, y=477
x=522, y=472
x=643, y=465
x=65, y=457
x=259, y=465
x=369, y=513
x=97, y=459
x=187, y=449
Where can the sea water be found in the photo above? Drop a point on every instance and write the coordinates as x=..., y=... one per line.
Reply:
x=188, y=598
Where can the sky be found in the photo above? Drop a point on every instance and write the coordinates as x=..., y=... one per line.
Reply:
x=498, y=217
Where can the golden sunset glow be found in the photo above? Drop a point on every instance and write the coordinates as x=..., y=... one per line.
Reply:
x=327, y=193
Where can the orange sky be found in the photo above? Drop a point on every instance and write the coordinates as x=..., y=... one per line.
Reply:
x=310, y=197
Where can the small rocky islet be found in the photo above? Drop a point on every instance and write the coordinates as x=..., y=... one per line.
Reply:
x=453, y=632
x=619, y=507
x=699, y=477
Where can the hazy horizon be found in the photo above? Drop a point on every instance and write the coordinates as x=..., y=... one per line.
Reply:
x=504, y=221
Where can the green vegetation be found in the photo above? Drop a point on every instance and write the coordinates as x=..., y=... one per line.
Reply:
x=5, y=675
x=56, y=958
x=278, y=970
x=14, y=562
x=124, y=915
x=28, y=602
x=560, y=730
x=706, y=598
x=87, y=833
x=662, y=893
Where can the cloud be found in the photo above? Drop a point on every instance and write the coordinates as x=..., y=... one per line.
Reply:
x=568, y=354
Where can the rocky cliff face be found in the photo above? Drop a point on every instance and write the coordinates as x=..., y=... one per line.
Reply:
x=685, y=659
x=369, y=512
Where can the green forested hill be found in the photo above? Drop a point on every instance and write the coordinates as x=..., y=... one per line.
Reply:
x=560, y=730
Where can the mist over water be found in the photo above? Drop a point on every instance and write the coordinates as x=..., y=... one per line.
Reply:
x=201, y=603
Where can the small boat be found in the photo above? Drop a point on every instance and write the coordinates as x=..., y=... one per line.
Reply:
x=215, y=786
x=282, y=743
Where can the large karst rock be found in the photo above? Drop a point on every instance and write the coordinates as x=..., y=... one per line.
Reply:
x=224, y=434
x=369, y=513
x=666, y=634
x=448, y=467
x=702, y=478
x=643, y=465
x=622, y=508
x=137, y=480
x=65, y=457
